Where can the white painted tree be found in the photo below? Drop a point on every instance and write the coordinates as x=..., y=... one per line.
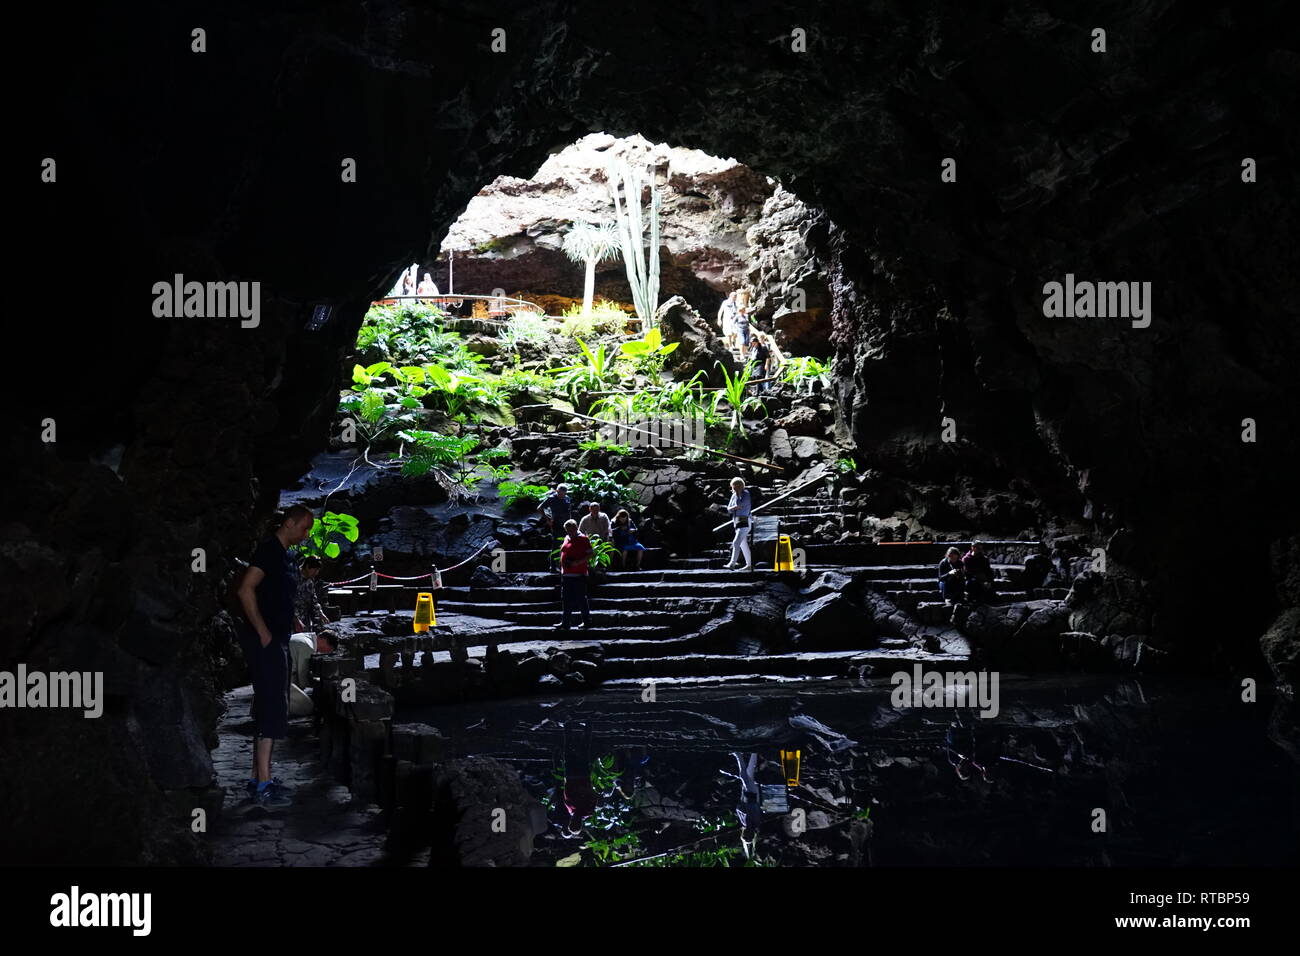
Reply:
x=590, y=244
x=642, y=264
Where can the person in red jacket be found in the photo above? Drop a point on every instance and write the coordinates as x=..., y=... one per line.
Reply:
x=573, y=575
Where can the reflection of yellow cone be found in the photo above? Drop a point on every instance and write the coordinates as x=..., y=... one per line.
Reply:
x=790, y=767
x=424, y=618
x=784, y=554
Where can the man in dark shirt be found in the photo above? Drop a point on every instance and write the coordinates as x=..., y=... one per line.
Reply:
x=951, y=577
x=557, y=508
x=266, y=596
x=979, y=574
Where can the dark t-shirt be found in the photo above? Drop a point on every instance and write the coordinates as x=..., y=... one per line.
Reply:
x=275, y=593
x=561, y=509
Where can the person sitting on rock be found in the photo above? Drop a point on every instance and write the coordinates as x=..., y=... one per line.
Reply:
x=952, y=584
x=624, y=538
x=301, y=648
x=308, y=615
x=573, y=575
x=595, y=523
x=979, y=574
x=739, y=506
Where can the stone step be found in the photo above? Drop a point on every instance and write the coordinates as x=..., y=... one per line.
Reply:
x=526, y=594
x=603, y=617
x=651, y=577
x=811, y=663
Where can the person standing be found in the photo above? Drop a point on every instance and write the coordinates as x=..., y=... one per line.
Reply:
x=727, y=318
x=557, y=509
x=739, y=506
x=573, y=575
x=595, y=523
x=266, y=597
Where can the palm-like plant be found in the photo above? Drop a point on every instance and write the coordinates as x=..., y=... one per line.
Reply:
x=733, y=393
x=642, y=264
x=590, y=244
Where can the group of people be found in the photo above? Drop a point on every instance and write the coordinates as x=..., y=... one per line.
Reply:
x=576, y=548
x=741, y=334
x=280, y=625
x=966, y=577
x=409, y=285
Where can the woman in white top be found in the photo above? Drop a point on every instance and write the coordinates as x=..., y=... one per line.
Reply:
x=727, y=317
x=427, y=287
x=739, y=507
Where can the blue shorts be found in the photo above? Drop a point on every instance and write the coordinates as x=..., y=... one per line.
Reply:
x=270, y=667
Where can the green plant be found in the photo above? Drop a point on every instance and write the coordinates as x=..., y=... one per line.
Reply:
x=845, y=465
x=615, y=849
x=642, y=264
x=410, y=332
x=602, y=552
x=458, y=393
x=452, y=456
x=515, y=492
x=603, y=318
x=803, y=372
x=599, y=444
x=323, y=541
x=589, y=245
x=516, y=381
x=595, y=484
x=733, y=393
x=598, y=371
x=372, y=416
x=524, y=326
x=649, y=354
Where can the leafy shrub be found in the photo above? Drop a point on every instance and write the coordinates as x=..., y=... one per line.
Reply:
x=452, y=456
x=597, y=372
x=805, y=371
x=605, y=318
x=525, y=326
x=515, y=492
x=517, y=381
x=323, y=541
x=595, y=484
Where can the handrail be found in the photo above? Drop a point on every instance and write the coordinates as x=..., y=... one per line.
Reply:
x=457, y=297
x=818, y=476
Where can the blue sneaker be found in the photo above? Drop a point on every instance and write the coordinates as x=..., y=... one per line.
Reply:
x=250, y=787
x=273, y=796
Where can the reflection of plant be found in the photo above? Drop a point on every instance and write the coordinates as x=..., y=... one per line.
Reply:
x=733, y=393
x=615, y=849
x=326, y=533
x=514, y=492
x=804, y=372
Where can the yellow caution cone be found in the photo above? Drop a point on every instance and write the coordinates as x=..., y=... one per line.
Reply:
x=424, y=617
x=784, y=553
x=790, y=766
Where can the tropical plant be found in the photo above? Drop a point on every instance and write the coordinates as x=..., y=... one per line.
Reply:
x=373, y=417
x=804, y=371
x=596, y=484
x=599, y=370
x=733, y=393
x=604, y=318
x=649, y=354
x=323, y=541
x=517, y=381
x=846, y=465
x=451, y=456
x=589, y=245
x=516, y=492
x=410, y=332
x=524, y=326
x=599, y=444
x=642, y=265
x=602, y=553
x=457, y=392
